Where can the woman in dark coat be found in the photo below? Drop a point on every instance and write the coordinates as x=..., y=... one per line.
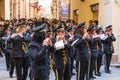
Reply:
x=18, y=53
x=61, y=58
x=94, y=48
x=82, y=52
x=38, y=49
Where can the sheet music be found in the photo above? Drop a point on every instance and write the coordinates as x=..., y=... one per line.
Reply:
x=59, y=45
x=102, y=36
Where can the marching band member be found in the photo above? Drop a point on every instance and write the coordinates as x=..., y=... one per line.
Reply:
x=61, y=58
x=38, y=49
x=108, y=47
x=18, y=53
x=82, y=52
x=99, y=32
x=49, y=34
x=70, y=38
x=93, y=43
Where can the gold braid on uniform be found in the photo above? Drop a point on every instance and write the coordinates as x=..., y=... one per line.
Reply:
x=24, y=46
x=89, y=60
x=64, y=57
x=97, y=47
x=102, y=48
x=79, y=64
x=51, y=61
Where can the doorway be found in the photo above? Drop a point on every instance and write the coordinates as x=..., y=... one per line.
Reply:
x=75, y=15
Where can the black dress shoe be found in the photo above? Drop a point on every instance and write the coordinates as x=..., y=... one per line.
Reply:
x=98, y=74
x=11, y=76
x=109, y=72
x=93, y=77
x=1, y=55
x=73, y=74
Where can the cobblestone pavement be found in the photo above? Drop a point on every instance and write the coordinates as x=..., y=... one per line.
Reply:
x=4, y=75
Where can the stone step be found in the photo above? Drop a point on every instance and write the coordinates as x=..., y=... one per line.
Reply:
x=115, y=65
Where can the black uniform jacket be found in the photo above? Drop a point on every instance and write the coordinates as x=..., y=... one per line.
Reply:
x=81, y=47
x=61, y=56
x=70, y=49
x=39, y=62
x=108, y=44
x=17, y=50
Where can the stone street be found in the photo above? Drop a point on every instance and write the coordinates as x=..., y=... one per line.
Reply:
x=4, y=75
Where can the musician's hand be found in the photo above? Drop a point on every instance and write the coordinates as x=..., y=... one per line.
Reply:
x=20, y=34
x=14, y=35
x=45, y=43
x=110, y=34
x=49, y=42
x=71, y=38
x=106, y=33
x=85, y=35
x=57, y=38
x=64, y=40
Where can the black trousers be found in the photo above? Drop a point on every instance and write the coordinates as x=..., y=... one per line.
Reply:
x=72, y=64
x=93, y=66
x=11, y=71
x=63, y=74
x=22, y=65
x=99, y=62
x=7, y=59
x=83, y=68
x=42, y=74
x=108, y=58
x=1, y=53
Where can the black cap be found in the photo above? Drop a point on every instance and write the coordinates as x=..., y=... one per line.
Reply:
x=69, y=28
x=8, y=29
x=99, y=29
x=55, y=21
x=49, y=31
x=110, y=26
x=91, y=28
x=21, y=24
x=37, y=23
x=40, y=28
x=30, y=22
x=59, y=28
x=81, y=25
x=68, y=21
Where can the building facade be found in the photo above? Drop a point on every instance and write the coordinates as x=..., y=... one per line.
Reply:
x=84, y=10
x=55, y=9
x=61, y=9
x=105, y=11
x=2, y=8
x=10, y=9
x=109, y=11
